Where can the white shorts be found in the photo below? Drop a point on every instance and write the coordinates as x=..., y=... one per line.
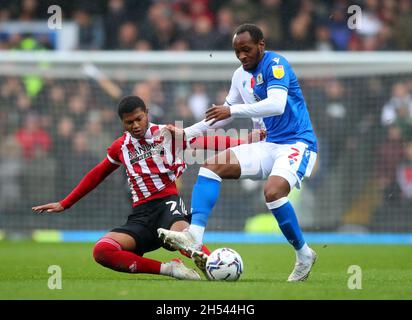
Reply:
x=262, y=159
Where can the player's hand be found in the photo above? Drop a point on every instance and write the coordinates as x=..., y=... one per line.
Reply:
x=217, y=113
x=177, y=133
x=54, y=207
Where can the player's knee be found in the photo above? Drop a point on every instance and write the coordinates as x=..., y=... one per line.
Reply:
x=272, y=194
x=101, y=251
x=213, y=167
x=224, y=171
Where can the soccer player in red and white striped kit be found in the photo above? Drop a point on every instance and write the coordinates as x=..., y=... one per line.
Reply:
x=152, y=181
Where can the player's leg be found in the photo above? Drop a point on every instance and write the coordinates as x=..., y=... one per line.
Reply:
x=176, y=218
x=116, y=251
x=198, y=257
x=286, y=173
x=233, y=163
x=182, y=226
x=276, y=191
x=204, y=196
x=206, y=190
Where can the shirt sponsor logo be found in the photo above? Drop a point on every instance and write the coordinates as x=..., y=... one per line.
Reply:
x=144, y=152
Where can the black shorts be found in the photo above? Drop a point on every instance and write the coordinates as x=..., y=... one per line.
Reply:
x=146, y=218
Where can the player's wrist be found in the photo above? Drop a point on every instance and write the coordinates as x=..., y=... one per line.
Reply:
x=229, y=110
x=65, y=204
x=234, y=110
x=188, y=134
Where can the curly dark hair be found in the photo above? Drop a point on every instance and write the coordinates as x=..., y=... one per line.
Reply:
x=254, y=31
x=129, y=104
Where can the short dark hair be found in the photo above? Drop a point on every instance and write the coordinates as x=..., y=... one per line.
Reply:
x=129, y=104
x=254, y=31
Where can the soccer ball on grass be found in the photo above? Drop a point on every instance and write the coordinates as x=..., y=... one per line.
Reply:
x=224, y=264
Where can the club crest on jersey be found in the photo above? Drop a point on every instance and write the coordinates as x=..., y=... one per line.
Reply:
x=259, y=79
x=278, y=71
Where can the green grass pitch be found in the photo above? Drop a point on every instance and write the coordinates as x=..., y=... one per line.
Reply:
x=386, y=274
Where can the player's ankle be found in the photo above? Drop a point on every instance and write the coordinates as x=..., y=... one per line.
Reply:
x=304, y=253
x=166, y=269
x=197, y=234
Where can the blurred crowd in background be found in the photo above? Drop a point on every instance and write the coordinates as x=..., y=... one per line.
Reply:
x=209, y=24
x=53, y=131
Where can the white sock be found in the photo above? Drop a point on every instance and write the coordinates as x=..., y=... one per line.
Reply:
x=304, y=253
x=166, y=269
x=197, y=232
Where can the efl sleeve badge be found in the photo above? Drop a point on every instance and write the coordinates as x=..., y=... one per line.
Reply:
x=278, y=71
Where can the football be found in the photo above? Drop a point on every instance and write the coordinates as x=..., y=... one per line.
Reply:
x=224, y=264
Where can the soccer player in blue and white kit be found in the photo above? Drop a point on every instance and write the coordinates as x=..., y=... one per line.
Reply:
x=265, y=89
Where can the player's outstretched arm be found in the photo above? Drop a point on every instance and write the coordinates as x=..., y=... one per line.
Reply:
x=217, y=143
x=220, y=143
x=54, y=207
x=273, y=105
x=201, y=127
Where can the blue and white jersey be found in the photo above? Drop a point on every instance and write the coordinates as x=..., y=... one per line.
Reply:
x=274, y=71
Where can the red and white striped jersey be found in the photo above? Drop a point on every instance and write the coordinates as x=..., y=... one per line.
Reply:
x=149, y=175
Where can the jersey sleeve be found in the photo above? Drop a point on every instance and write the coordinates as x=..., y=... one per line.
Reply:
x=233, y=97
x=113, y=152
x=277, y=74
x=217, y=143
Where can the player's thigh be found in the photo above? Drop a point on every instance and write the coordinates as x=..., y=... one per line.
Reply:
x=225, y=164
x=255, y=160
x=173, y=209
x=293, y=163
x=179, y=225
x=126, y=241
x=174, y=216
x=139, y=226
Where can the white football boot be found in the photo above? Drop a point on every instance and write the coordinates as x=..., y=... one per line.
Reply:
x=302, y=269
x=179, y=240
x=200, y=259
x=184, y=241
x=181, y=272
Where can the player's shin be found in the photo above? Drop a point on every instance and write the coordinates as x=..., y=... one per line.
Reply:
x=288, y=223
x=204, y=196
x=109, y=254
